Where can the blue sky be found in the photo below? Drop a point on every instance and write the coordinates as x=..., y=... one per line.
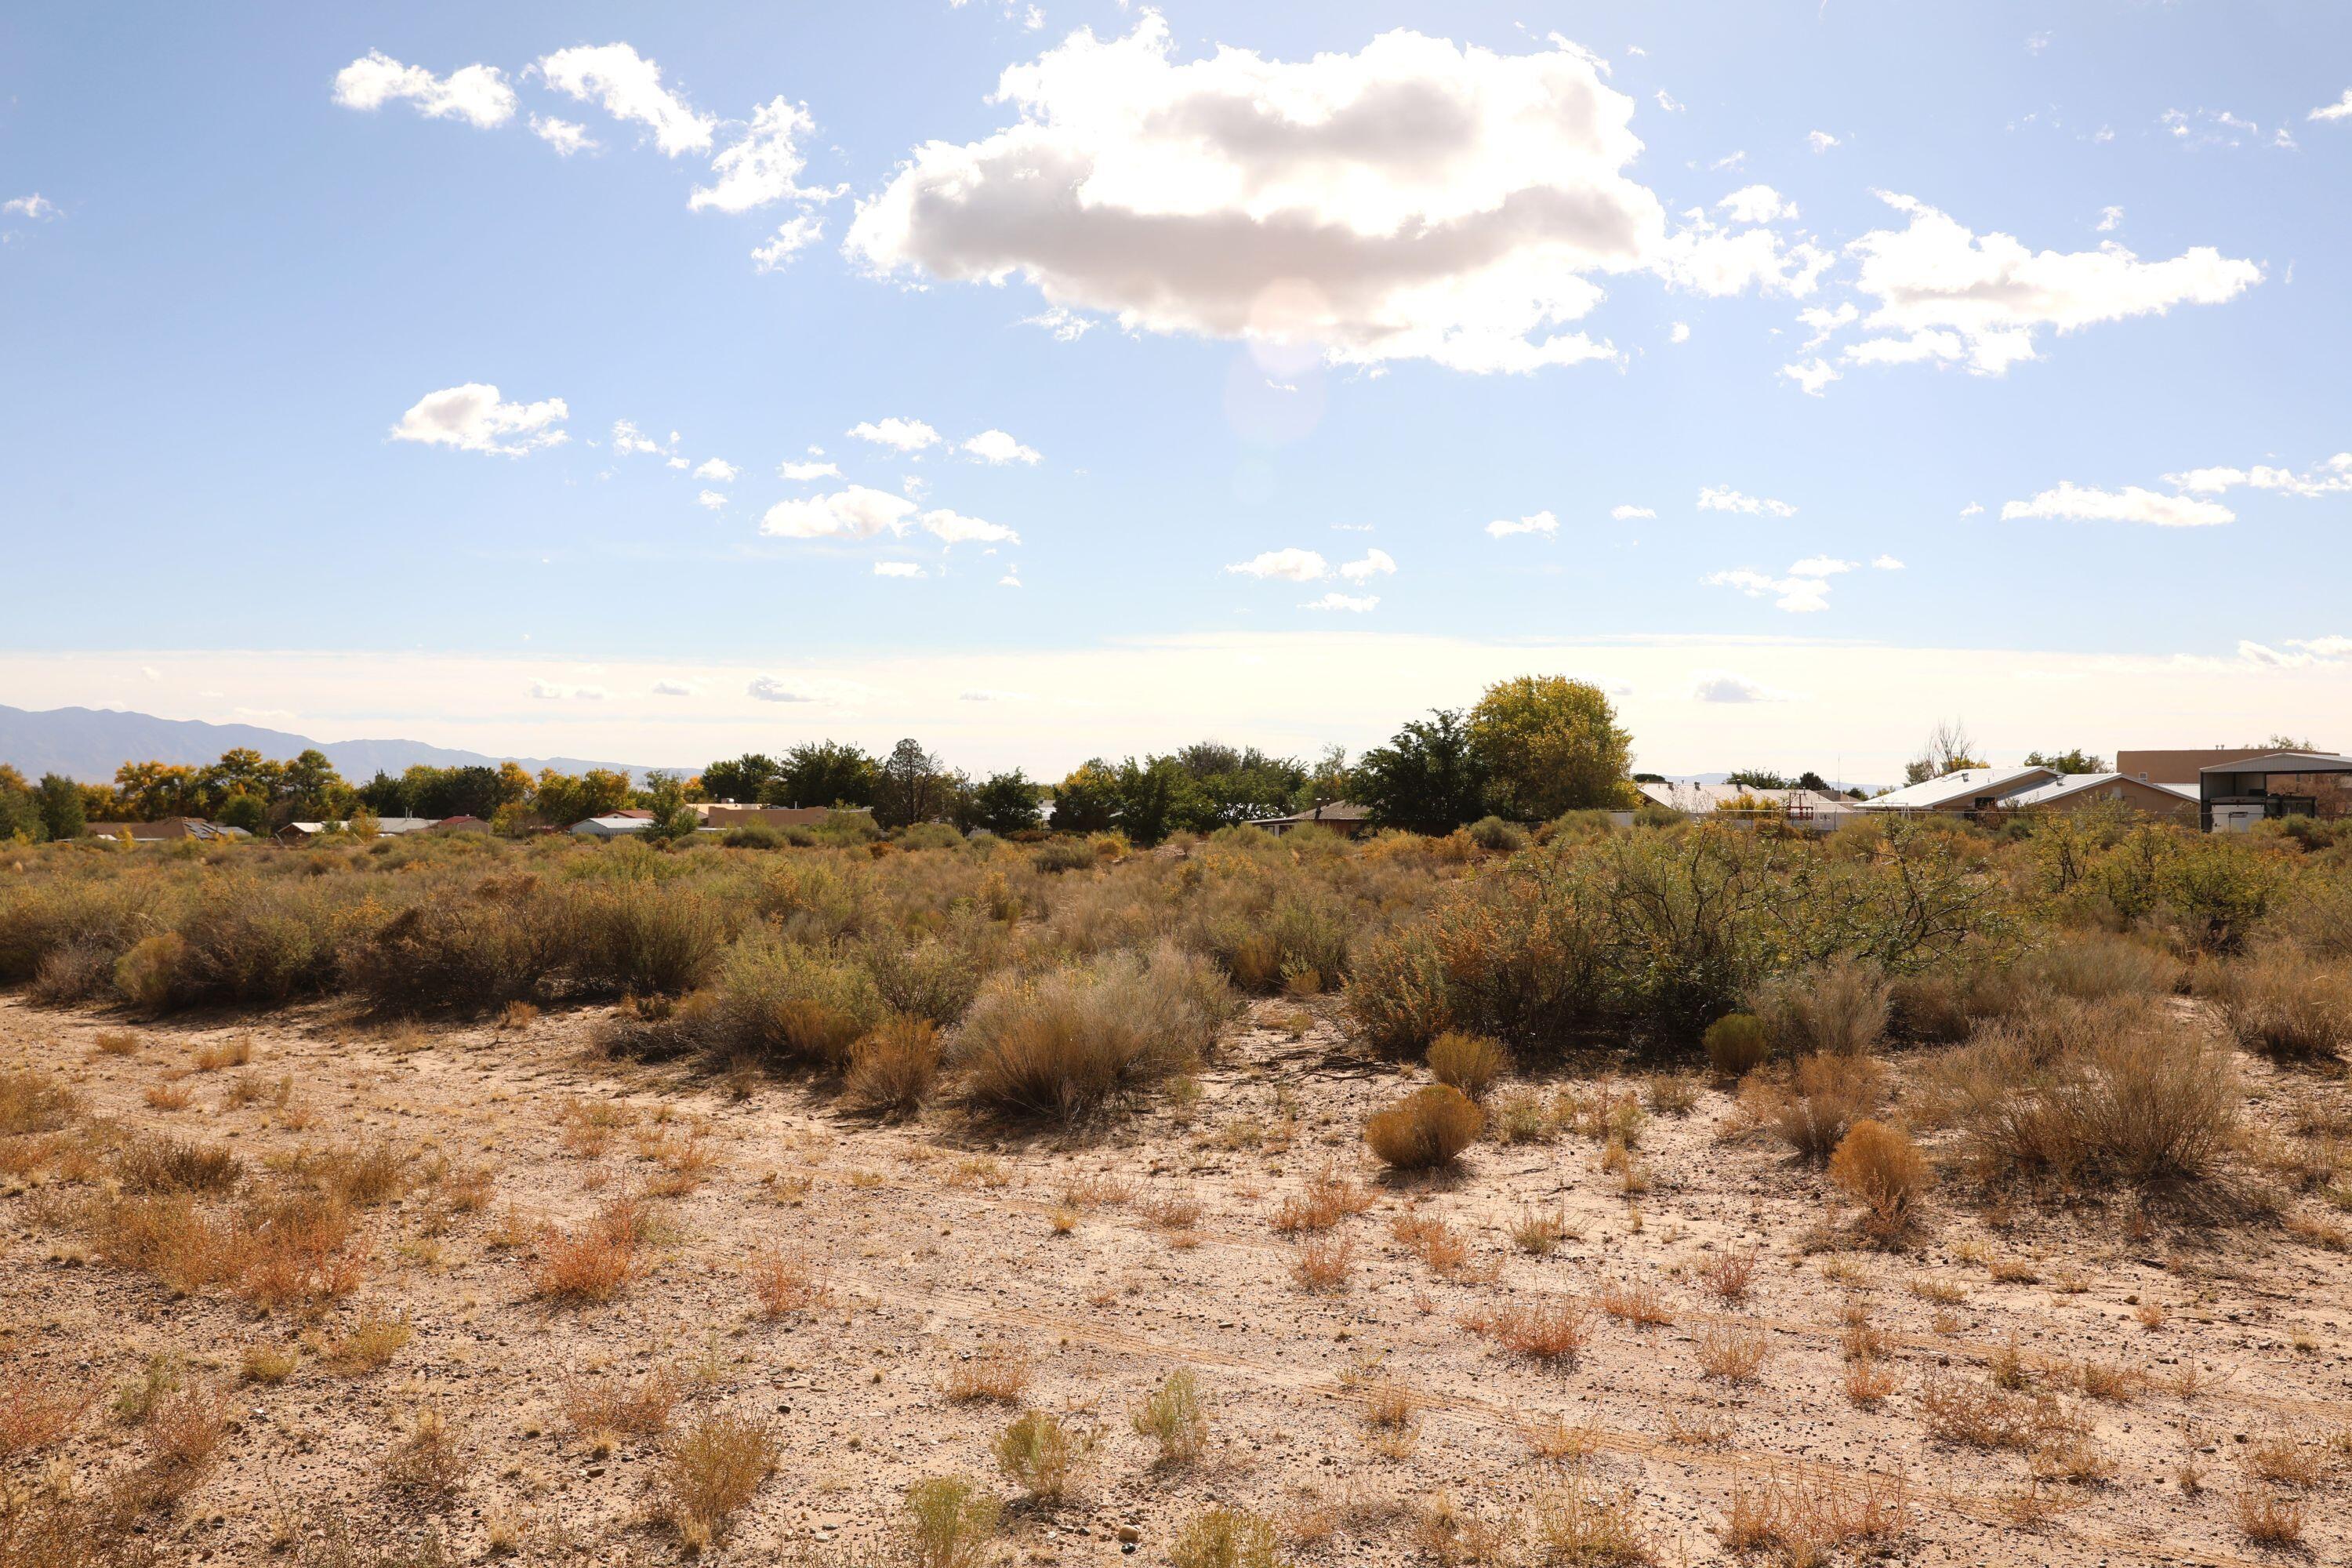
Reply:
x=265, y=239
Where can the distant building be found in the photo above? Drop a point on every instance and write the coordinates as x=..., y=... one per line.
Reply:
x=1345, y=819
x=165, y=829
x=1963, y=792
x=618, y=824
x=461, y=825
x=385, y=827
x=1821, y=809
x=2235, y=794
x=2181, y=767
x=724, y=816
x=2074, y=791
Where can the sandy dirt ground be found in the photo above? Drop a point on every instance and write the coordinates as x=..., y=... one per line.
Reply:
x=1104, y=1261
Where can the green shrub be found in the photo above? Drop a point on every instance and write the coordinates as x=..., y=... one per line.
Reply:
x=467, y=953
x=930, y=835
x=641, y=937
x=753, y=836
x=1222, y=1537
x=1493, y=833
x=950, y=1523
x=1058, y=855
x=1426, y=1128
x=779, y=1001
x=1736, y=1045
x=1041, y=1452
x=1396, y=995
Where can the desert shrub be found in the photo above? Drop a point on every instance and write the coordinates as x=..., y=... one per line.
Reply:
x=930, y=835
x=1267, y=933
x=1074, y=1040
x=709, y=1472
x=34, y=1101
x=2091, y=966
x=1881, y=1168
x=1058, y=855
x=892, y=1068
x=640, y=936
x=2318, y=917
x=1838, y=1008
x=1736, y=1045
x=77, y=909
x=1821, y=1098
x=2218, y=891
x=169, y=1165
x=1426, y=1128
x=949, y=1522
x=784, y=1002
x=592, y=1263
x=253, y=944
x=2282, y=1003
x=148, y=970
x=1222, y=1537
x=1175, y=1418
x=1396, y=994
x=2116, y=1091
x=1042, y=1453
x=753, y=836
x=1493, y=833
x=1470, y=1063
x=460, y=953
x=935, y=978
x=1944, y=1005
x=75, y=971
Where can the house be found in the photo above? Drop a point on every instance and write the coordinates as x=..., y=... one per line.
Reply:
x=2072, y=791
x=726, y=815
x=1345, y=819
x=1811, y=808
x=2181, y=767
x=618, y=824
x=2235, y=794
x=460, y=824
x=295, y=833
x=1963, y=792
x=165, y=829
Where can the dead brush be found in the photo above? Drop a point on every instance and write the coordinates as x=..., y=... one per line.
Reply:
x=1978, y=1415
x=1328, y=1198
x=1424, y=1131
x=785, y=1283
x=1730, y=1352
x=1321, y=1266
x=1444, y=1249
x=892, y=1069
x=231, y=1052
x=1823, y=1097
x=1096, y=1190
x=427, y=1462
x=1582, y=1523
x=1868, y=1382
x=34, y=1101
x=1638, y=1302
x=2269, y=1519
x=592, y=1263
x=1881, y=1168
x=599, y=1408
x=1810, y=1518
x=1553, y=1331
x=709, y=1472
x=2281, y=1461
x=34, y=1412
x=1556, y=1440
x=998, y=1374
x=368, y=1345
x=1539, y=1232
x=301, y=1249
x=1470, y=1063
x=2109, y=1380
x=1171, y=1209
x=186, y=1429
x=1730, y=1276
x=165, y=1165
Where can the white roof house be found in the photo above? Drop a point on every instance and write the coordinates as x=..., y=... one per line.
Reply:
x=1699, y=799
x=2070, y=786
x=611, y=826
x=1970, y=789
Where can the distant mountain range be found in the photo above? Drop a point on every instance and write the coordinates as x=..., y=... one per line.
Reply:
x=89, y=744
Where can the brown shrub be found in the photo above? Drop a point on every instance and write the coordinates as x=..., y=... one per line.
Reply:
x=996, y=1374
x=593, y=1262
x=1322, y=1264
x=1823, y=1096
x=1470, y=1063
x=1554, y=1329
x=1881, y=1168
x=34, y=1101
x=1426, y=1128
x=428, y=1461
x=594, y=1407
x=1328, y=1198
x=368, y=1345
x=1809, y=1519
x=1732, y=1353
x=1578, y=1522
x=786, y=1283
x=892, y=1068
x=34, y=1412
x=1838, y=1008
x=1042, y=1453
x=2269, y=1519
x=169, y=1165
x=2283, y=1005
x=710, y=1473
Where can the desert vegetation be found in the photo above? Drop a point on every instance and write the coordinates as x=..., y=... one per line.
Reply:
x=1563, y=1192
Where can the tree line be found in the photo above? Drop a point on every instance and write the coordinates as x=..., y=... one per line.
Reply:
x=1531, y=748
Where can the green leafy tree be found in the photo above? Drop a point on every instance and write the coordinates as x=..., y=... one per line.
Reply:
x=238, y=809
x=744, y=778
x=824, y=772
x=1005, y=802
x=1086, y=800
x=1425, y=777
x=384, y=795
x=311, y=790
x=59, y=800
x=20, y=808
x=912, y=788
x=1230, y=785
x=1549, y=745
x=1156, y=797
x=2076, y=761
x=1758, y=778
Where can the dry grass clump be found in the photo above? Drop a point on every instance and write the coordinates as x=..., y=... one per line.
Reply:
x=1328, y=1198
x=1635, y=1302
x=2269, y=1519
x=1470, y=1063
x=1981, y=1416
x=1222, y=1537
x=2115, y=1091
x=1580, y=1525
x=786, y=1282
x=592, y=1263
x=2282, y=1003
x=1539, y=1232
x=2091, y=966
x=428, y=1461
x=1881, y=1168
x=1322, y=1265
x=34, y=1101
x=1821, y=1099
x=301, y=1249
x=1553, y=1331
x=34, y=1412
x=1438, y=1245
x=997, y=1374
x=1175, y=1418
x=1042, y=1453
x=164, y=1164
x=368, y=1345
x=1076, y=1040
x=601, y=1408
x=1730, y=1275
x=1426, y=1130
x=1730, y=1352
x=949, y=1522
x=892, y=1069
x=709, y=1472
x=1839, y=1009
x=1807, y=1518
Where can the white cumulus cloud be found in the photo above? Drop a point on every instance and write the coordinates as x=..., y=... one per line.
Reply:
x=711, y=500
x=1722, y=686
x=792, y=236
x=898, y=569
x=1995, y=295
x=1758, y=203
x=472, y=419
x=718, y=470
x=1292, y=565
x=1628, y=513
x=36, y=205
x=1797, y=594
x=2340, y=110
x=1348, y=602
x=2072, y=503
x=1375, y=564
x=477, y=95
x=1812, y=375
x=1722, y=497
x=803, y=472
x=957, y=529
x=1886, y=563
x=906, y=435
x=565, y=136
x=996, y=447
x=628, y=87
x=1541, y=523
x=1821, y=140
x=762, y=167
x=856, y=512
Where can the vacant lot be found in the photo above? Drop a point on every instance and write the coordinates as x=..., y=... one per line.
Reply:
x=765, y=1260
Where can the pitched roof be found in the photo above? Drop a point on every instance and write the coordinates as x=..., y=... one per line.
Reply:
x=1336, y=811
x=2284, y=763
x=2073, y=784
x=1968, y=783
x=1678, y=796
